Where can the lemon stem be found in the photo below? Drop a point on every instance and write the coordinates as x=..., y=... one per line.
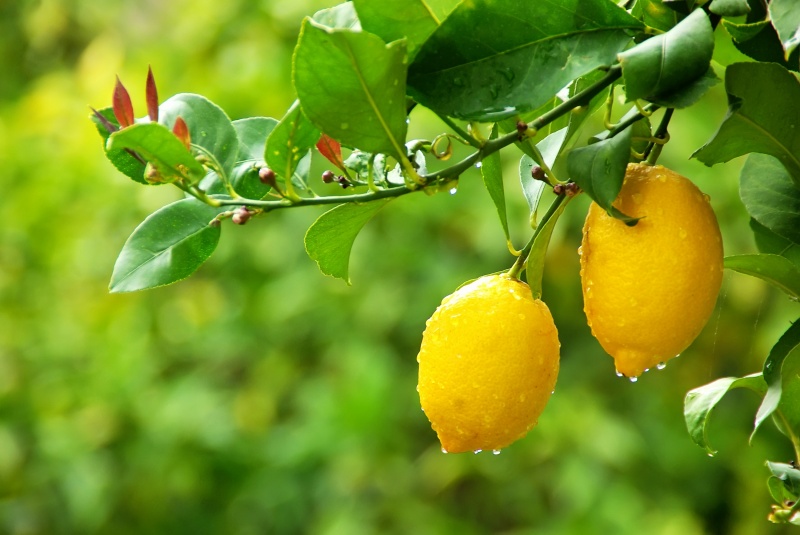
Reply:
x=653, y=150
x=538, y=246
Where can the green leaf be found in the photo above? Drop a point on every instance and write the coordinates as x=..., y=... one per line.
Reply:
x=492, y=59
x=729, y=8
x=773, y=370
x=680, y=6
x=669, y=62
x=210, y=128
x=770, y=196
x=534, y=266
x=770, y=243
x=655, y=14
x=492, y=173
x=699, y=403
x=343, y=16
x=788, y=474
x=688, y=95
x=599, y=170
x=776, y=270
x=414, y=20
x=744, y=32
x=124, y=161
x=330, y=238
x=531, y=188
x=290, y=141
x=763, y=116
x=167, y=247
x=159, y=146
x=785, y=18
x=352, y=87
x=252, y=133
x=787, y=415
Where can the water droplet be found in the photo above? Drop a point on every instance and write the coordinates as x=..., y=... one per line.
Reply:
x=552, y=391
x=453, y=191
x=417, y=388
x=710, y=454
x=478, y=165
x=682, y=233
x=647, y=370
x=619, y=374
x=676, y=356
x=707, y=197
x=396, y=82
x=621, y=323
x=444, y=450
x=633, y=379
x=494, y=91
x=344, y=126
x=580, y=251
x=522, y=316
x=637, y=198
x=661, y=365
x=458, y=81
x=496, y=452
x=662, y=178
x=476, y=452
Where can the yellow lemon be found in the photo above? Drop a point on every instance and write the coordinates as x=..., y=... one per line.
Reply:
x=487, y=365
x=648, y=290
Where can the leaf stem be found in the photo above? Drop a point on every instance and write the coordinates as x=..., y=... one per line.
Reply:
x=461, y=132
x=653, y=150
x=631, y=117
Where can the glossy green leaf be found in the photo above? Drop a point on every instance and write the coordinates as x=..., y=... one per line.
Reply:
x=699, y=403
x=492, y=59
x=763, y=116
x=290, y=141
x=334, y=67
x=166, y=153
x=534, y=267
x=655, y=14
x=770, y=196
x=414, y=20
x=759, y=40
x=210, y=128
x=668, y=62
x=599, y=170
x=770, y=243
x=492, y=173
x=125, y=162
x=252, y=134
x=330, y=239
x=167, y=247
x=773, y=371
x=532, y=189
x=787, y=416
x=689, y=94
x=776, y=270
x=681, y=6
x=343, y=16
x=729, y=8
x=778, y=489
x=785, y=17
x=788, y=474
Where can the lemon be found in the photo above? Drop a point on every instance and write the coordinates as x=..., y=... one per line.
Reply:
x=648, y=290
x=487, y=365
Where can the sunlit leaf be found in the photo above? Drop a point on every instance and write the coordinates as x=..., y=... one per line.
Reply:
x=532, y=189
x=167, y=247
x=492, y=59
x=290, y=141
x=165, y=152
x=776, y=270
x=670, y=61
x=729, y=8
x=123, y=160
x=333, y=67
x=655, y=14
x=785, y=17
x=342, y=16
x=763, y=116
x=699, y=403
x=330, y=239
x=534, y=267
x=770, y=243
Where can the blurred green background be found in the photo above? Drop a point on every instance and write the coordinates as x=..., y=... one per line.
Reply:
x=259, y=396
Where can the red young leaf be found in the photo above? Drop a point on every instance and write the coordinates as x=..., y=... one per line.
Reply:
x=123, y=108
x=331, y=149
x=181, y=131
x=152, y=96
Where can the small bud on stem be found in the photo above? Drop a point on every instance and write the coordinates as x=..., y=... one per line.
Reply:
x=241, y=215
x=328, y=176
x=538, y=173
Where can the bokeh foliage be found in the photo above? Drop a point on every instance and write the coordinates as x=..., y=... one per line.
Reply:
x=261, y=397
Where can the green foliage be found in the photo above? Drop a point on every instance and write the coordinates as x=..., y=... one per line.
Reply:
x=289, y=142
x=770, y=196
x=492, y=173
x=167, y=247
x=775, y=269
x=253, y=133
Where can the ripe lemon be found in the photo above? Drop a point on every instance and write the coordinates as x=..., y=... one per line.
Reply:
x=487, y=365
x=648, y=290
